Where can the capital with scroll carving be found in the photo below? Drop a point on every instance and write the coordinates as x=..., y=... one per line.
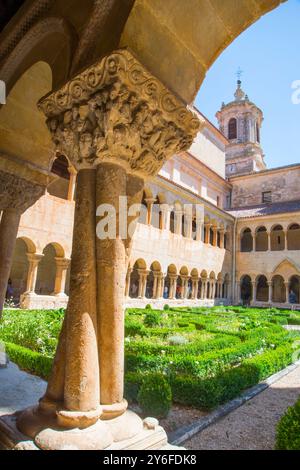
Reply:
x=116, y=111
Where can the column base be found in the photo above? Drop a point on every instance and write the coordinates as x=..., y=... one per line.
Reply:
x=127, y=432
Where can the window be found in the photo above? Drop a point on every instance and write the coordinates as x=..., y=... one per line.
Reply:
x=232, y=129
x=257, y=133
x=267, y=197
x=218, y=201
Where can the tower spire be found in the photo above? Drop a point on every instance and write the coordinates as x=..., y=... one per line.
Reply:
x=239, y=94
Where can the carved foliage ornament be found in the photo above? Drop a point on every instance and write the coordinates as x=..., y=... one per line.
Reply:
x=116, y=110
x=18, y=193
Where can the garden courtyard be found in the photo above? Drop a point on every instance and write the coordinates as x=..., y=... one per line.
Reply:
x=181, y=364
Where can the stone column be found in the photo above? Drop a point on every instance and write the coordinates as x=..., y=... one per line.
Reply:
x=285, y=239
x=214, y=284
x=215, y=236
x=62, y=265
x=165, y=216
x=106, y=120
x=195, y=289
x=128, y=277
x=199, y=221
x=33, y=262
x=8, y=234
x=72, y=183
x=178, y=222
x=149, y=202
x=270, y=284
x=287, y=292
x=155, y=285
x=222, y=237
x=144, y=284
x=188, y=225
x=16, y=196
x=254, y=291
x=173, y=285
x=238, y=291
x=207, y=233
x=269, y=241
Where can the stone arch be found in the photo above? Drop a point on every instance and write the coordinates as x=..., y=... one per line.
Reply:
x=278, y=289
x=261, y=239
x=246, y=240
x=246, y=289
x=262, y=288
x=293, y=237
x=151, y=286
x=46, y=273
x=277, y=238
x=294, y=290
x=138, y=266
x=42, y=43
x=19, y=269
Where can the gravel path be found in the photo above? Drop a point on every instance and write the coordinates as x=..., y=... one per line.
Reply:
x=252, y=426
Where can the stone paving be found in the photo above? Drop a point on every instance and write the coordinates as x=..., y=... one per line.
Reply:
x=253, y=425
x=18, y=389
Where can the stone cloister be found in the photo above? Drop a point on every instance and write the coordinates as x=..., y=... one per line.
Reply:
x=154, y=284
x=115, y=88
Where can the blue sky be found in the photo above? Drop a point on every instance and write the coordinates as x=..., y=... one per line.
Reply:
x=269, y=55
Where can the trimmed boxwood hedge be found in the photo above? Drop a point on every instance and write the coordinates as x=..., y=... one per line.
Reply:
x=31, y=361
x=210, y=392
x=288, y=429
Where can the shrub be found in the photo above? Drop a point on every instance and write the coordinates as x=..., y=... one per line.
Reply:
x=152, y=318
x=288, y=429
x=177, y=340
x=134, y=328
x=30, y=361
x=166, y=307
x=148, y=307
x=155, y=396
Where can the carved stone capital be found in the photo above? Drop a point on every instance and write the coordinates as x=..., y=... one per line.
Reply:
x=116, y=111
x=18, y=193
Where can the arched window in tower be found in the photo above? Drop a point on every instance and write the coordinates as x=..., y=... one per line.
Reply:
x=257, y=133
x=232, y=129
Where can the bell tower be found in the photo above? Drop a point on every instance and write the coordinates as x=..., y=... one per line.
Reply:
x=241, y=121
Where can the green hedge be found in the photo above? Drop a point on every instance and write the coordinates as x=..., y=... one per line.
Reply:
x=31, y=361
x=288, y=429
x=210, y=392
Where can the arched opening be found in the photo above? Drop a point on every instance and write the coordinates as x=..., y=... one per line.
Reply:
x=211, y=236
x=246, y=290
x=293, y=237
x=152, y=284
x=246, y=241
x=19, y=270
x=257, y=133
x=46, y=273
x=172, y=221
x=294, y=290
x=135, y=279
x=262, y=289
x=277, y=238
x=278, y=289
x=262, y=239
x=232, y=129
x=169, y=289
x=60, y=187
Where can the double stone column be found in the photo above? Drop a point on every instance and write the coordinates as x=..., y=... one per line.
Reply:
x=118, y=125
x=16, y=196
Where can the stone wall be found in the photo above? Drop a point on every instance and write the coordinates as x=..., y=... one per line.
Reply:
x=283, y=183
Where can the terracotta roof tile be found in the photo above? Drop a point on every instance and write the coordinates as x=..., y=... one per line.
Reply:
x=262, y=210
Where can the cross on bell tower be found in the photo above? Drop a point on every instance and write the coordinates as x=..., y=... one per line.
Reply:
x=241, y=121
